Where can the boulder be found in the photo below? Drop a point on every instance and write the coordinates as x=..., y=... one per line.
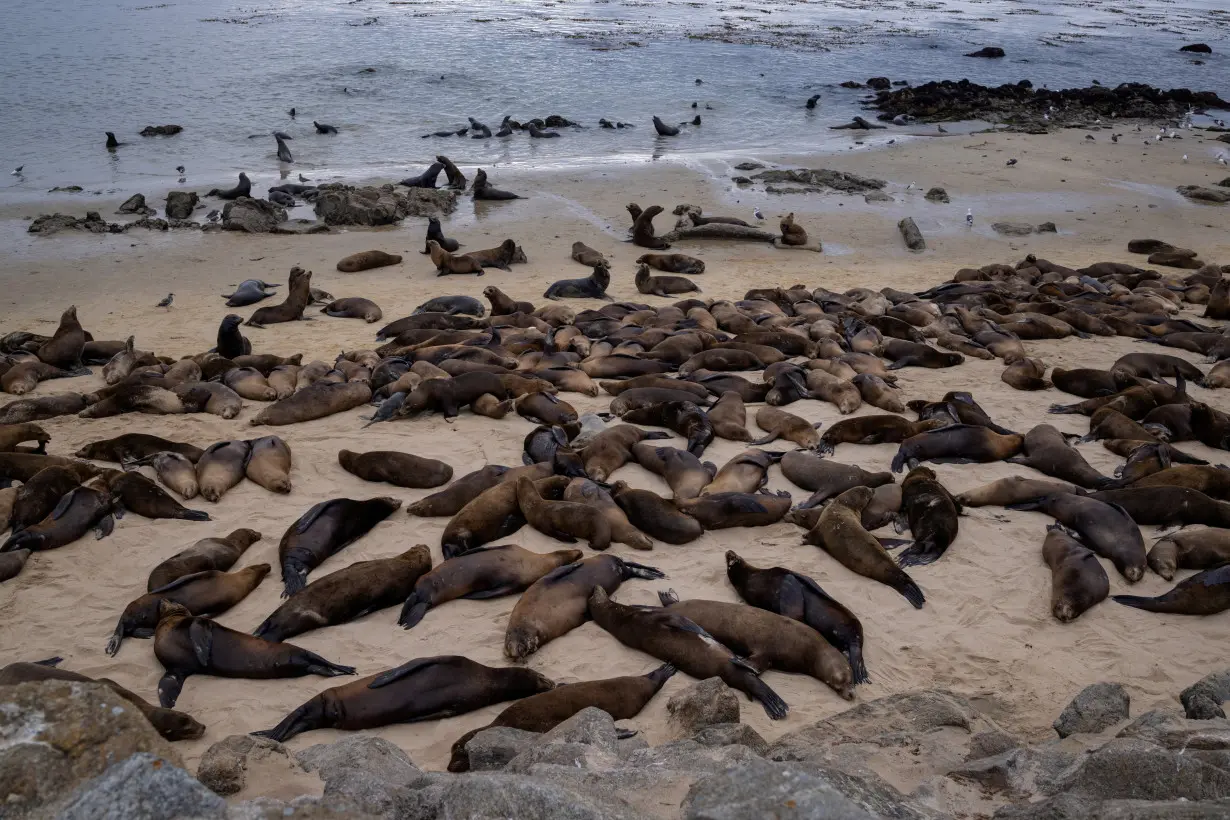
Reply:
x=749, y=166
x=878, y=196
x=1223, y=138
x=879, y=83
x=822, y=179
x=144, y=786
x=761, y=790
x=252, y=215
x=741, y=180
x=59, y=734
x=912, y=236
x=1225, y=183
x=494, y=748
x=1097, y=707
x=1202, y=194
x=1171, y=730
x=491, y=795
x=991, y=742
x=47, y=224
x=1020, y=771
x=586, y=741
x=1203, y=699
x=732, y=734
x=1012, y=228
x=1047, y=227
x=851, y=84
x=362, y=770
x=702, y=704
x=224, y=766
x=1072, y=807
x=345, y=205
x=936, y=195
x=302, y=227
x=1127, y=768
x=161, y=130
x=1197, y=48
x=180, y=204
x=135, y=204
x=988, y=52
x=1148, y=246
x=302, y=808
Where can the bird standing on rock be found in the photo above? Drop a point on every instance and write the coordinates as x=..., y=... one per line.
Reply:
x=166, y=303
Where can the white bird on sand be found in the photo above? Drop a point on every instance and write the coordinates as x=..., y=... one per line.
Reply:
x=909, y=187
x=756, y=213
x=1221, y=158
x=969, y=217
x=166, y=303
x=1158, y=138
x=17, y=170
x=1185, y=157
x=1046, y=116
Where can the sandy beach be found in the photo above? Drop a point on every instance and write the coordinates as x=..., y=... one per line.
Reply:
x=986, y=630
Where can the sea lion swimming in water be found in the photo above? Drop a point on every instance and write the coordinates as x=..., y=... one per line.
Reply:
x=663, y=129
x=1078, y=581
x=248, y=292
x=324, y=530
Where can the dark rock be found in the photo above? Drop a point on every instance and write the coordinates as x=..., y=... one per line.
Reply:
x=703, y=704
x=224, y=766
x=144, y=786
x=912, y=236
x=370, y=206
x=1197, y=48
x=1072, y=807
x=821, y=179
x=1148, y=246
x=1012, y=228
x=1201, y=194
x=1047, y=227
x=989, y=52
x=1225, y=183
x=851, y=84
x=66, y=189
x=937, y=195
x=1097, y=707
x=366, y=771
x=1203, y=699
x=732, y=734
x=305, y=808
x=252, y=215
x=1223, y=138
x=749, y=166
x=1019, y=771
x=494, y=748
x=135, y=204
x=989, y=743
x=741, y=180
x=1133, y=769
x=878, y=196
x=180, y=204
x=490, y=795
x=1177, y=258
x=302, y=227
x=1171, y=730
x=879, y=83
x=161, y=130
x=47, y=224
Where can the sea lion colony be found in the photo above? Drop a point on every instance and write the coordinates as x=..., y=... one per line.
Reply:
x=689, y=367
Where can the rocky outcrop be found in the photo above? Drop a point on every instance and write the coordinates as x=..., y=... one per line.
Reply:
x=911, y=234
x=252, y=215
x=161, y=130
x=879, y=83
x=48, y=224
x=135, y=204
x=1022, y=228
x=1097, y=707
x=144, y=786
x=1197, y=48
x=822, y=179
x=1203, y=699
x=936, y=195
x=703, y=704
x=180, y=204
x=988, y=52
x=877, y=196
x=1201, y=194
x=363, y=771
x=370, y=206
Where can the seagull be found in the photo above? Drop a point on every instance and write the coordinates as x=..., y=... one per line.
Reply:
x=1174, y=135
x=1185, y=157
x=166, y=303
x=1046, y=116
x=756, y=213
x=1011, y=162
x=302, y=178
x=181, y=170
x=17, y=170
x=1114, y=137
x=1221, y=158
x=941, y=129
x=1158, y=138
x=909, y=187
x=969, y=217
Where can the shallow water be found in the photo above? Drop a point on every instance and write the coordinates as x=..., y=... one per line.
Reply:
x=225, y=71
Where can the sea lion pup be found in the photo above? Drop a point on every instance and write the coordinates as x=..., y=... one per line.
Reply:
x=1105, y=528
x=656, y=516
x=1085, y=382
x=588, y=256
x=1205, y=593
x=187, y=645
x=642, y=227
x=504, y=305
x=268, y=464
x=873, y=429
x=427, y=179
x=792, y=234
x=208, y=554
x=746, y=472
x=1048, y=451
x=544, y=408
x=557, y=603
x=662, y=285
x=957, y=444
x=13, y=434
x=564, y=520
x=244, y=188
x=1025, y=374
x=133, y=492
x=82, y=509
x=352, y=592
x=780, y=424
x=66, y=345
x=493, y=513
x=672, y=263
x=249, y=384
x=1110, y=423
x=839, y=532
x=366, y=260
x=172, y=725
x=25, y=376
x=453, y=305
x=767, y=640
x=398, y=469
x=1012, y=490
x=452, y=498
x=671, y=637
x=211, y=592
x=501, y=256
x=484, y=190
x=1156, y=366
x=913, y=354
x=221, y=467
x=931, y=512
x=1078, y=580
x=683, y=472
x=354, y=307
x=591, y=287
x=1190, y=549
x=324, y=530
x=826, y=479
x=210, y=397
x=718, y=511
x=12, y=563
x=315, y=402
x=421, y=689
x=683, y=417
x=728, y=416
x=447, y=263
x=1166, y=506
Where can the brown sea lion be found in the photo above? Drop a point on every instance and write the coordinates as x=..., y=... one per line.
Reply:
x=354, y=307
x=38, y=496
x=840, y=533
x=452, y=498
x=658, y=380
x=588, y=256
x=683, y=417
x=912, y=354
x=1012, y=490
x=207, y=554
x=842, y=394
x=25, y=376
x=656, y=516
x=745, y=473
x=639, y=397
x=1025, y=374
x=42, y=407
x=683, y=472
x=612, y=449
x=1048, y=451
x=221, y=467
x=671, y=637
x=1190, y=549
x=421, y=689
x=1110, y=423
x=557, y=603
x=366, y=260
x=314, y=402
x=584, y=491
x=826, y=479
x=1213, y=481
x=493, y=513
x=878, y=393
x=591, y=287
x=12, y=563
x=504, y=305
x=399, y=469
x=1086, y=382
x=210, y=397
x=324, y=530
x=133, y=492
x=447, y=263
x=564, y=520
x=24, y=466
x=957, y=444
x=82, y=509
x=662, y=285
x=672, y=263
x=211, y=592
x=780, y=424
x=792, y=234
x=64, y=348
x=1078, y=581
x=13, y=434
x=267, y=362
x=140, y=398
x=173, y=470
x=618, y=366
x=873, y=429
x=1105, y=528
x=544, y=408
x=931, y=512
x=721, y=359
x=1205, y=593
x=642, y=229
x=187, y=645
x=269, y=464
x=1156, y=366
x=728, y=416
x=298, y=297
x=717, y=511
x=501, y=256
x=1168, y=505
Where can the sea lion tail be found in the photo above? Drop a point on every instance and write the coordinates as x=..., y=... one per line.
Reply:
x=1063, y=408
x=668, y=597
x=919, y=554
x=327, y=669
x=300, y=720
x=413, y=611
x=1143, y=602
x=906, y=586
x=292, y=579
x=662, y=674
x=55, y=661
x=191, y=515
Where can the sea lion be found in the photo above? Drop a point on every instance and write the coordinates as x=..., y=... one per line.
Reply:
x=1025, y=374
x=1190, y=549
x=482, y=189
x=644, y=397
x=840, y=533
x=797, y=596
x=421, y=689
x=767, y=640
x=672, y=263
x=931, y=512
x=135, y=447
x=249, y=384
x=187, y=645
x=721, y=359
x=211, y=592
x=1105, y=528
x=912, y=354
x=717, y=511
x=550, y=445
x=135, y=397
x=456, y=179
x=298, y=297
x=683, y=417
x=492, y=514
x=82, y=509
x=447, y=263
x=351, y=592
x=564, y=520
x=683, y=472
x=244, y=188
x=209, y=397
x=622, y=698
x=663, y=129
x=207, y=554
x=398, y=469
x=427, y=179
x=324, y=530
x=452, y=498
x=825, y=479
x=314, y=402
x=133, y=492
x=792, y=234
x=24, y=466
x=366, y=260
x=615, y=388
x=1078, y=581
x=1110, y=423
x=25, y=376
x=354, y=307
x=1165, y=505
x=1156, y=366
x=878, y=393
x=656, y=516
x=957, y=444
x=121, y=364
x=12, y=563
x=1208, y=479
x=221, y=467
x=557, y=603
x=662, y=285
x=42, y=407
x=504, y=305
x=746, y=472
x=249, y=292
x=642, y=229
x=13, y=434
x=1205, y=593
x=38, y=496
x=671, y=637
x=612, y=449
x=728, y=417
x=501, y=256
x=873, y=429
x=1086, y=382
x=1011, y=490
x=544, y=408
x=435, y=233
x=588, y=256
x=268, y=464
x=584, y=491
x=1047, y=450
x=718, y=383
x=591, y=287
x=66, y=345
x=780, y=424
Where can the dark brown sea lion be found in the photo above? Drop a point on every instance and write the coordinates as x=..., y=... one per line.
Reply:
x=1167, y=505
x=133, y=492
x=957, y=444
x=298, y=297
x=422, y=689
x=1012, y=490
x=1048, y=451
x=931, y=512
x=211, y=592
x=913, y=354
x=826, y=479
x=1208, y=479
x=354, y=307
x=64, y=348
x=1078, y=581
x=767, y=640
x=13, y=434
x=42, y=407
x=683, y=417
x=658, y=380
x=38, y=496
x=187, y=645
x=656, y=516
x=82, y=509
x=484, y=190
x=504, y=305
x=12, y=563
x=721, y=359
x=590, y=493
x=172, y=725
x=683, y=472
x=591, y=287
x=780, y=424
x=728, y=416
x=1211, y=427
x=662, y=285
x=1156, y=366
x=314, y=402
x=1109, y=423
x=452, y=498
x=717, y=511
x=544, y=408
x=564, y=520
x=24, y=466
x=792, y=234
x=719, y=383
x=501, y=256
x=447, y=263
x=324, y=530
x=221, y=467
x=558, y=602
x=351, y=592
x=1190, y=549
x=640, y=397
x=745, y=473
x=622, y=698
x=642, y=229
x=1105, y=528
x=366, y=260
x=1025, y=374
x=1205, y=593
x=873, y=429
x=207, y=554
x=492, y=515
x=840, y=533
x=672, y=263
x=135, y=397
x=624, y=367
x=399, y=469
x=671, y=637
x=797, y=596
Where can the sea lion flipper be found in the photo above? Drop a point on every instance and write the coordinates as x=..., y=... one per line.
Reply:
x=201, y=635
x=104, y=527
x=635, y=570
x=790, y=600
x=179, y=582
x=893, y=543
x=494, y=592
x=168, y=689
x=62, y=506
x=305, y=521
x=559, y=572
x=406, y=669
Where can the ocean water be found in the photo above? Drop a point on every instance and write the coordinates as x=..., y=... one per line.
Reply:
x=387, y=71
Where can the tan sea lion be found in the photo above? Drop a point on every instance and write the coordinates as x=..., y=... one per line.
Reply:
x=366, y=260
x=64, y=348
x=544, y=408
x=1204, y=548
x=745, y=473
x=618, y=366
x=780, y=424
x=284, y=379
x=268, y=464
x=456, y=495
x=298, y=297
x=494, y=513
x=207, y=554
x=1213, y=481
x=354, y=307
x=1025, y=374
x=792, y=234
x=1012, y=490
x=399, y=469
x=1078, y=581
x=826, y=479
x=584, y=491
x=564, y=520
x=612, y=449
x=662, y=285
x=1105, y=528
x=447, y=263
x=1047, y=450
x=13, y=434
x=717, y=511
x=683, y=472
x=324, y=530
x=12, y=563
x=25, y=376
x=588, y=256
x=1205, y=593
x=314, y=402
x=249, y=384
x=210, y=397
x=221, y=467
x=873, y=429
x=878, y=393
x=501, y=256
x=729, y=417
x=175, y=471
x=656, y=516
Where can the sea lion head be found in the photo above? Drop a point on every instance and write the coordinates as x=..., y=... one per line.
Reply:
x=174, y=725
x=169, y=609
x=856, y=498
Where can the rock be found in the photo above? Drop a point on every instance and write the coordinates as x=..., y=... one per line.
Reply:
x=494, y=748
x=224, y=766
x=879, y=83
x=1170, y=730
x=1203, y=699
x=47, y=224
x=937, y=195
x=702, y=704
x=135, y=204
x=878, y=196
x=989, y=52
x=1177, y=258
x=488, y=795
x=161, y=130
x=1225, y=183
x=346, y=205
x=144, y=786
x=180, y=204
x=1012, y=228
x=732, y=734
x=741, y=180
x=1134, y=769
x=851, y=84
x=989, y=743
x=1201, y=194
x=1047, y=227
x=1071, y=807
x=54, y=735
x=1224, y=138
x=1197, y=48
x=66, y=189
x=690, y=757
x=301, y=808
x=302, y=227
x=364, y=770
x=252, y=215
x=1148, y=246
x=749, y=166
x=912, y=236
x=1097, y=707
x=1020, y=771
x=821, y=179
x=586, y=741
x=767, y=790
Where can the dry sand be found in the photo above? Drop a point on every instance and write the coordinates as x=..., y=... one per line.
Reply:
x=986, y=630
